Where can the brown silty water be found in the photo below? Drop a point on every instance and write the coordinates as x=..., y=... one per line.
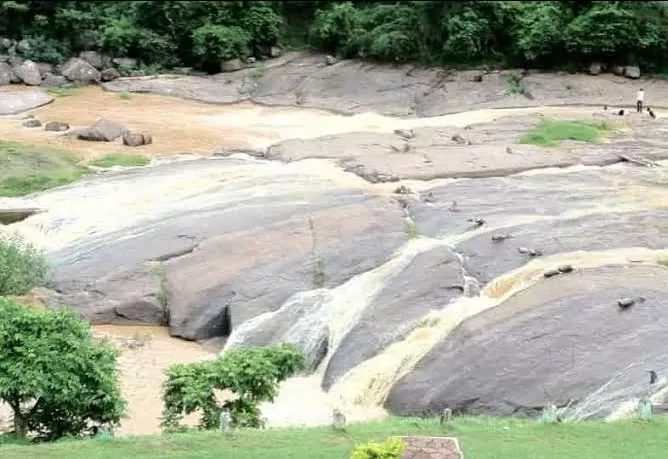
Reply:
x=180, y=126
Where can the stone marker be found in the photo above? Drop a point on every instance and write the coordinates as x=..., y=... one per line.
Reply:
x=431, y=448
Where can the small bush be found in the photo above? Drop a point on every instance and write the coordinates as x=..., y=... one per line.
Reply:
x=393, y=448
x=22, y=266
x=514, y=85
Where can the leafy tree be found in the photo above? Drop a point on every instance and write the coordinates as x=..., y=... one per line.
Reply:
x=604, y=31
x=56, y=380
x=252, y=374
x=214, y=44
x=334, y=27
x=540, y=29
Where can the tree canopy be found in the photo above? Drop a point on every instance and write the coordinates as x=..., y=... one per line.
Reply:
x=200, y=34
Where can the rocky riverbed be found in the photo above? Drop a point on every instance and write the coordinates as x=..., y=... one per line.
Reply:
x=416, y=259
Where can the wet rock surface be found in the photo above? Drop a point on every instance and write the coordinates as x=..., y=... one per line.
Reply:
x=558, y=341
x=269, y=255
x=286, y=247
x=428, y=283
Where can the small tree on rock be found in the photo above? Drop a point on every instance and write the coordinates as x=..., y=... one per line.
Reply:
x=252, y=374
x=56, y=379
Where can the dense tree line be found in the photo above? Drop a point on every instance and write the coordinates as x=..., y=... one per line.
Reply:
x=201, y=34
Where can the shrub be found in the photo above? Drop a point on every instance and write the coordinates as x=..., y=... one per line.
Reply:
x=391, y=449
x=252, y=374
x=334, y=27
x=22, y=266
x=214, y=44
x=56, y=380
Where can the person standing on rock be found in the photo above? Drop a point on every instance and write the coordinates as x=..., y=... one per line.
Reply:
x=640, y=98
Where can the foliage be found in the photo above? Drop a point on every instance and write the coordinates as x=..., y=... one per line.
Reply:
x=192, y=33
x=22, y=266
x=391, y=449
x=550, y=133
x=56, y=380
x=252, y=374
x=213, y=44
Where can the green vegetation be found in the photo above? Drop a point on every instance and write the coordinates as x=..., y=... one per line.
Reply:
x=22, y=266
x=63, y=92
x=391, y=449
x=480, y=438
x=161, y=294
x=550, y=133
x=252, y=374
x=26, y=169
x=319, y=273
x=56, y=380
x=124, y=96
x=472, y=33
x=411, y=229
x=112, y=160
x=514, y=84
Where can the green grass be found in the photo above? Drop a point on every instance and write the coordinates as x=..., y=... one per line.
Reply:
x=411, y=229
x=550, y=133
x=26, y=169
x=259, y=71
x=124, y=96
x=480, y=438
x=63, y=92
x=112, y=160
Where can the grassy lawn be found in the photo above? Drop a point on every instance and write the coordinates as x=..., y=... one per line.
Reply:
x=480, y=438
x=550, y=133
x=26, y=169
x=121, y=160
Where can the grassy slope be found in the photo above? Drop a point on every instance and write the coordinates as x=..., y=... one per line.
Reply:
x=26, y=169
x=480, y=439
x=550, y=133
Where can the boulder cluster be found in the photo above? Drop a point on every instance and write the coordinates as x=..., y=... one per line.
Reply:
x=89, y=67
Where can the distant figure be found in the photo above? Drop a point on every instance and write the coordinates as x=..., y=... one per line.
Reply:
x=653, y=378
x=605, y=107
x=621, y=112
x=651, y=113
x=640, y=98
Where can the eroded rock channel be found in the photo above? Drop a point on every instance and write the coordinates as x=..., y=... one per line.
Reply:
x=405, y=256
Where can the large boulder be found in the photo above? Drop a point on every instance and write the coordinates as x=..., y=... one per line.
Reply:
x=28, y=73
x=595, y=68
x=12, y=103
x=55, y=81
x=97, y=60
x=110, y=74
x=564, y=340
x=6, y=74
x=231, y=66
x=45, y=69
x=80, y=72
x=632, y=71
x=102, y=131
